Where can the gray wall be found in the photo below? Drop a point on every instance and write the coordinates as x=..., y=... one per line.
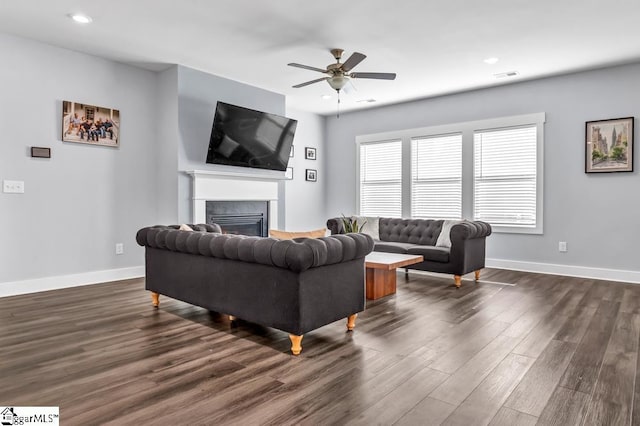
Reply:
x=596, y=214
x=305, y=205
x=84, y=199
x=166, y=154
x=198, y=93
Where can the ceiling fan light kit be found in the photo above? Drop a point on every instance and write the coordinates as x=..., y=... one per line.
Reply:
x=337, y=82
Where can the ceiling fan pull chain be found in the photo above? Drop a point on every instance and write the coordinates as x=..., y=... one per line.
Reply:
x=338, y=112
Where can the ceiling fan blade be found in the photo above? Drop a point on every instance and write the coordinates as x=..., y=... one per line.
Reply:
x=375, y=75
x=306, y=67
x=353, y=60
x=310, y=82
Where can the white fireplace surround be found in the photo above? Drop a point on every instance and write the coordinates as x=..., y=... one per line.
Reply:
x=228, y=186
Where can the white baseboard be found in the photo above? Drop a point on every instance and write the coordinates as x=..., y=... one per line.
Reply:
x=64, y=281
x=568, y=270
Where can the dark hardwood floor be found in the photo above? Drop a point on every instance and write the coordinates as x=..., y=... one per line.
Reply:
x=544, y=350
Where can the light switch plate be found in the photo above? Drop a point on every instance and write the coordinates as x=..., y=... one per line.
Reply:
x=13, y=186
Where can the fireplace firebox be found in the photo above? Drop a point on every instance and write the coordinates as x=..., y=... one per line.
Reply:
x=240, y=217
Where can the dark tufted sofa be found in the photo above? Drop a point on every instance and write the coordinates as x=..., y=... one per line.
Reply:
x=292, y=285
x=419, y=236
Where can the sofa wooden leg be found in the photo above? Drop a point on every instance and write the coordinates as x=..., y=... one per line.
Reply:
x=351, y=322
x=477, y=275
x=458, y=280
x=406, y=274
x=155, y=299
x=296, y=344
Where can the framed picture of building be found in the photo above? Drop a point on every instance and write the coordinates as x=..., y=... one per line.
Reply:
x=609, y=145
x=84, y=123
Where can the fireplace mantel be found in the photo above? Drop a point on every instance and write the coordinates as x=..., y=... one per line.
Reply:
x=234, y=186
x=257, y=175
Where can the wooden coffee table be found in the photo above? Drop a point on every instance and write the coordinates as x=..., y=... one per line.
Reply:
x=381, y=271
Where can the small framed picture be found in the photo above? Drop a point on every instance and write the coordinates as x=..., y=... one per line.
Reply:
x=291, y=152
x=288, y=174
x=312, y=175
x=309, y=153
x=609, y=145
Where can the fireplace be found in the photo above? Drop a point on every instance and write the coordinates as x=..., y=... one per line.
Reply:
x=240, y=217
x=213, y=187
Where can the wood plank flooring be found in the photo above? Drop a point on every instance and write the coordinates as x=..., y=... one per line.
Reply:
x=547, y=350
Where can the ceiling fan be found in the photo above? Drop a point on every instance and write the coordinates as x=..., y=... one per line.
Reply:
x=340, y=73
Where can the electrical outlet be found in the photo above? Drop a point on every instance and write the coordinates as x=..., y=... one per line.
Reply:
x=119, y=248
x=13, y=186
x=562, y=246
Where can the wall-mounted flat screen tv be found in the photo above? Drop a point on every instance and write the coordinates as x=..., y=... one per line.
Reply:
x=248, y=138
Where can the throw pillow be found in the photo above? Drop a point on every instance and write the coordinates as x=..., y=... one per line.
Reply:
x=185, y=227
x=285, y=235
x=444, y=239
x=371, y=226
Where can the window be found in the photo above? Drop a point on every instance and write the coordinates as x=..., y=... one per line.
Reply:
x=436, y=177
x=489, y=170
x=381, y=179
x=505, y=176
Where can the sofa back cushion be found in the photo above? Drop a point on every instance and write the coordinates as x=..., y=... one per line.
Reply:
x=370, y=225
x=297, y=255
x=414, y=231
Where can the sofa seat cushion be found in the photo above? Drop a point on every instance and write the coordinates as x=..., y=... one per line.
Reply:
x=434, y=254
x=392, y=247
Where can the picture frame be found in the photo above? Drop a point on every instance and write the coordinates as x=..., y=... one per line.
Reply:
x=90, y=124
x=609, y=145
x=311, y=175
x=309, y=153
x=291, y=152
x=288, y=174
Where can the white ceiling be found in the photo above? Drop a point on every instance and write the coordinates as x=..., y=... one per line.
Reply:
x=435, y=47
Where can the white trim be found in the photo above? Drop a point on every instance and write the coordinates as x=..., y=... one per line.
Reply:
x=216, y=186
x=461, y=127
x=257, y=174
x=568, y=270
x=65, y=281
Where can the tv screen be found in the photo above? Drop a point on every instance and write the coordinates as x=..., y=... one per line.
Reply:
x=248, y=138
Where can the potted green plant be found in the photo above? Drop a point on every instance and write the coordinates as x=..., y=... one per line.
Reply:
x=351, y=225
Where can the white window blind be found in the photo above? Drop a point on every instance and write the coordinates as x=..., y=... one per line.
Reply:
x=436, y=177
x=381, y=179
x=505, y=176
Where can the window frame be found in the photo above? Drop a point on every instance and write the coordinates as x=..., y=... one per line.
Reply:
x=538, y=121
x=417, y=140
x=358, y=170
x=467, y=129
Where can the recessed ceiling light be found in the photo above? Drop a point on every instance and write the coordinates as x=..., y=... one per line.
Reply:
x=490, y=61
x=326, y=97
x=80, y=18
